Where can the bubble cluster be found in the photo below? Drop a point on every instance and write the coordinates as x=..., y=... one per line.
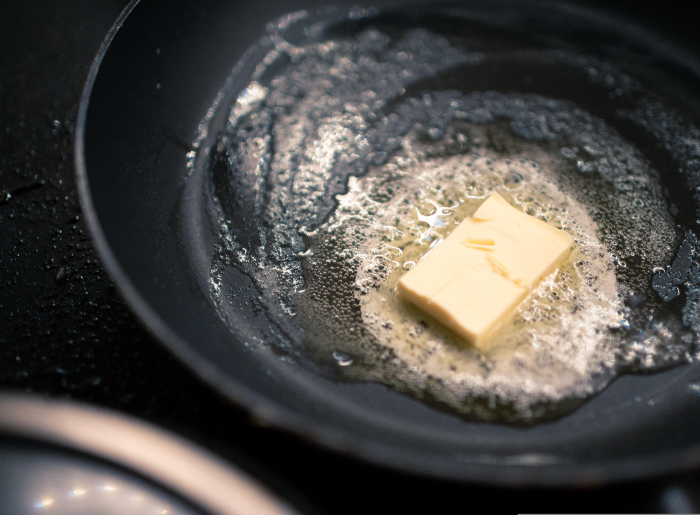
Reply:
x=336, y=174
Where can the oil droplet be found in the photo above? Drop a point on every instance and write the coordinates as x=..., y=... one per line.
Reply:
x=694, y=387
x=342, y=359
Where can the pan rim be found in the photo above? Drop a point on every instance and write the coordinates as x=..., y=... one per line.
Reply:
x=267, y=411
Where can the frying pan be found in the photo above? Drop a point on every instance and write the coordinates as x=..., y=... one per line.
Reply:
x=152, y=83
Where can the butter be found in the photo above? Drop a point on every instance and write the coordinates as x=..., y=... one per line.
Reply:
x=481, y=272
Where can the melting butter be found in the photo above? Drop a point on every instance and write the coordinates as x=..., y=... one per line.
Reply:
x=474, y=280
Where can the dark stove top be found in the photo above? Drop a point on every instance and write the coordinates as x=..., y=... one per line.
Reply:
x=65, y=332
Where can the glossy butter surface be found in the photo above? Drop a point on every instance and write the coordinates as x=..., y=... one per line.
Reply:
x=485, y=268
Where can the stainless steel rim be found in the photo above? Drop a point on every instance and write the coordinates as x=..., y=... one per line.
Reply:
x=176, y=464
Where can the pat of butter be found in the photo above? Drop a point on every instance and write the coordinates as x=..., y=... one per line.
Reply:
x=481, y=272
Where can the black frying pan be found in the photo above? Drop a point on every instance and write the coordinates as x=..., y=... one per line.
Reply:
x=154, y=79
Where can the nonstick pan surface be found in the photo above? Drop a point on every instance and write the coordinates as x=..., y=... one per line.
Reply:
x=152, y=83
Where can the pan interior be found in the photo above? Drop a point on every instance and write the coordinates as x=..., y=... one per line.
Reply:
x=510, y=78
x=353, y=150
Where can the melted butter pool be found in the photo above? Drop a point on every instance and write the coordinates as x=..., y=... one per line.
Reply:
x=556, y=346
x=562, y=343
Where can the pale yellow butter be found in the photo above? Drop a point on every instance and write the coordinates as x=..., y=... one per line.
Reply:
x=474, y=279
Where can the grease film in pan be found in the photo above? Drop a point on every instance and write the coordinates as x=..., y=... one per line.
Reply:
x=356, y=147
